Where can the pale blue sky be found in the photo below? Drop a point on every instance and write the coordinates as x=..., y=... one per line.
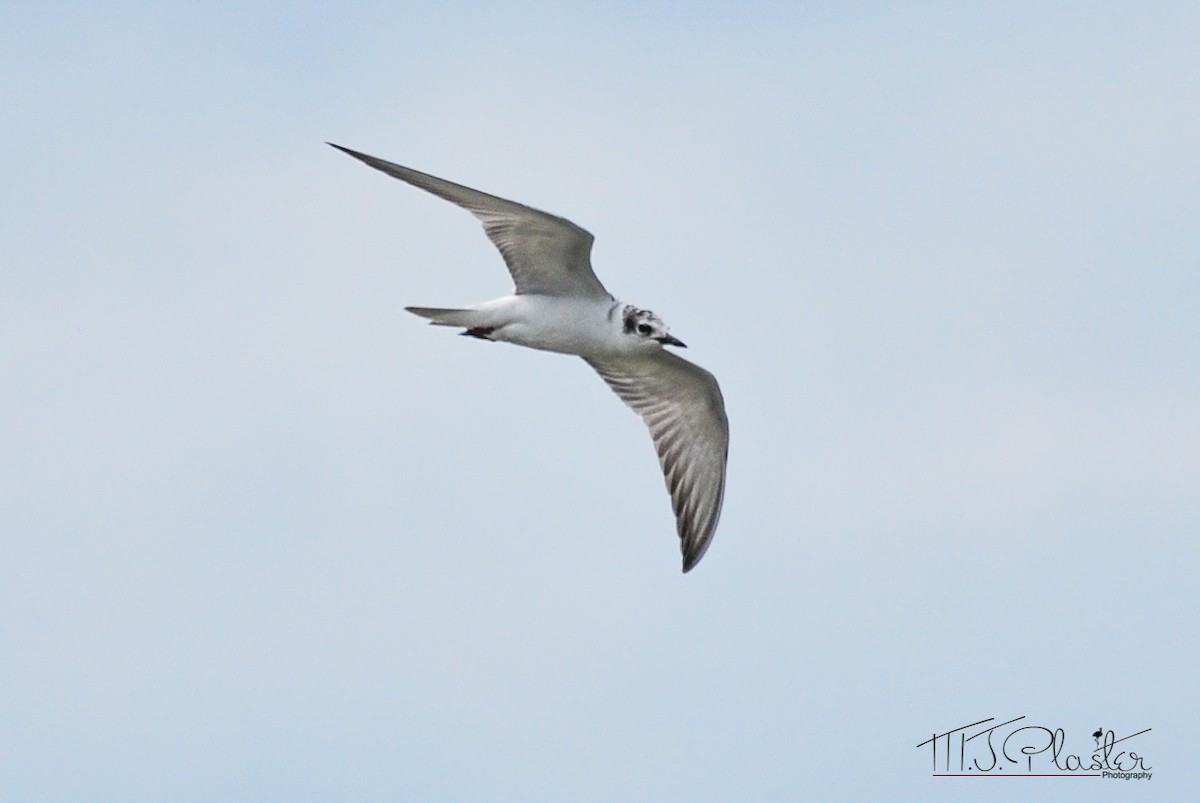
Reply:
x=265, y=536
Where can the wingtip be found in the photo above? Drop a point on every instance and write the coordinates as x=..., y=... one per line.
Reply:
x=346, y=151
x=694, y=553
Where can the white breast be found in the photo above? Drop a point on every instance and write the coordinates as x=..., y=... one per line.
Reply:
x=566, y=325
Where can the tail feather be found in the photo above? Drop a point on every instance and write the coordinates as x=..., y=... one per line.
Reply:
x=439, y=316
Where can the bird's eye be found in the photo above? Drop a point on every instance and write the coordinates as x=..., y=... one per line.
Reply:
x=643, y=328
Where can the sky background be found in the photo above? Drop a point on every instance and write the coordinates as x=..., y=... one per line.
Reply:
x=265, y=536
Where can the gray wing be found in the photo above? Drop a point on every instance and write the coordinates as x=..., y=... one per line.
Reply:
x=681, y=403
x=546, y=255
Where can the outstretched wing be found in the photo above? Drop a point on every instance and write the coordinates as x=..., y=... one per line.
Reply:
x=681, y=403
x=546, y=254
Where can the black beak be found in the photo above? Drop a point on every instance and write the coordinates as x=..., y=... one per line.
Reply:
x=667, y=340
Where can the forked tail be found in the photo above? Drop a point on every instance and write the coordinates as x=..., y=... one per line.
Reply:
x=469, y=319
x=447, y=317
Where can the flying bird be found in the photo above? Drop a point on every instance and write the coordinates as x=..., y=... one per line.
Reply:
x=559, y=305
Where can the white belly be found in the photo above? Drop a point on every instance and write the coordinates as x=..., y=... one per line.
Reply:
x=565, y=325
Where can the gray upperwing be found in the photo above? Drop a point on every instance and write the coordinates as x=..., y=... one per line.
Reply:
x=546, y=254
x=682, y=405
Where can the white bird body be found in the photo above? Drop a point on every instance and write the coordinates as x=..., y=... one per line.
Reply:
x=567, y=325
x=559, y=305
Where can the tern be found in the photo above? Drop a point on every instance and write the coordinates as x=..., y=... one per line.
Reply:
x=559, y=305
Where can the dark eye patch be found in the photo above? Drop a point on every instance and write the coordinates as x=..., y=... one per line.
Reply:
x=643, y=328
x=632, y=315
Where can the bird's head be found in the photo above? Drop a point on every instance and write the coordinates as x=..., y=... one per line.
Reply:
x=647, y=327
